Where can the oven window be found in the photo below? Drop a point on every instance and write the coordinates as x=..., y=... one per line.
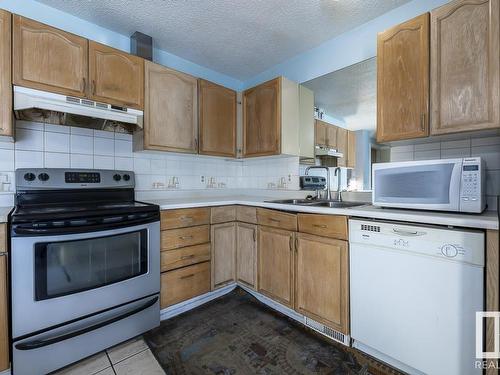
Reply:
x=63, y=268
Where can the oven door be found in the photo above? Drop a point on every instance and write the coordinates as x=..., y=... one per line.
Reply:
x=60, y=278
x=427, y=185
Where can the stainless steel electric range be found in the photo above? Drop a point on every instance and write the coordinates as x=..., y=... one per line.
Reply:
x=85, y=266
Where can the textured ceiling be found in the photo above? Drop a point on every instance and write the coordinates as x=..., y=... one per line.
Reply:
x=240, y=38
x=349, y=94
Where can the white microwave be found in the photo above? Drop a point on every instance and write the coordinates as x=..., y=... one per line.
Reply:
x=440, y=185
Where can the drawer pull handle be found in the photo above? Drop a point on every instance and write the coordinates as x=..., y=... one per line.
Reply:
x=319, y=226
x=275, y=220
x=187, y=276
x=186, y=237
x=187, y=257
x=186, y=218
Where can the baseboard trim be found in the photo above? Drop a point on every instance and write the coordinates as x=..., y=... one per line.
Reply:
x=192, y=303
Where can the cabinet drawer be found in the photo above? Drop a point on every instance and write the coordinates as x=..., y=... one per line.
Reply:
x=324, y=225
x=184, y=283
x=176, y=238
x=186, y=256
x=277, y=219
x=3, y=238
x=187, y=217
x=223, y=214
x=246, y=214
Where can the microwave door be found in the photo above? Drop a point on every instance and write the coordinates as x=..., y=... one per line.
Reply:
x=430, y=186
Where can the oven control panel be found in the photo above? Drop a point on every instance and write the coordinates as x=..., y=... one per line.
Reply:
x=56, y=178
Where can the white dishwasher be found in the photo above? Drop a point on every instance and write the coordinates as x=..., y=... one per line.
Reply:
x=414, y=295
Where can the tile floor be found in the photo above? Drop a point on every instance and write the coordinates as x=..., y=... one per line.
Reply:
x=130, y=358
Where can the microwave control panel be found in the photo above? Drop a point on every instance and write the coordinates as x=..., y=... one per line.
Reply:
x=471, y=185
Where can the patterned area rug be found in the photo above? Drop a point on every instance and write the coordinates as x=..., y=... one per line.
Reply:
x=236, y=334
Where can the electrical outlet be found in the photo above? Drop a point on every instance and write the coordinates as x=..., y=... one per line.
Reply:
x=202, y=179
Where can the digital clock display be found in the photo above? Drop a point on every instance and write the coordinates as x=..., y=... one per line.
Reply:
x=471, y=167
x=82, y=178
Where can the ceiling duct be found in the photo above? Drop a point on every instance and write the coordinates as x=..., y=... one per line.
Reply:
x=141, y=45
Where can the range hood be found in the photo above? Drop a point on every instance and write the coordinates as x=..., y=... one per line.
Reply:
x=37, y=105
x=321, y=151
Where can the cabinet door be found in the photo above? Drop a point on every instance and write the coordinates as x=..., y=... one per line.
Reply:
x=342, y=135
x=323, y=280
x=331, y=136
x=217, y=106
x=4, y=316
x=275, y=264
x=262, y=119
x=246, y=254
x=46, y=58
x=319, y=133
x=223, y=254
x=5, y=75
x=403, y=81
x=465, y=66
x=116, y=77
x=351, y=149
x=171, y=110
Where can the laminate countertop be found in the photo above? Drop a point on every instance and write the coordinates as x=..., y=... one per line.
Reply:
x=486, y=220
x=4, y=214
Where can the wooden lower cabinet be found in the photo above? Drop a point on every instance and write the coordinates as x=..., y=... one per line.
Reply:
x=246, y=254
x=185, y=256
x=182, y=237
x=184, y=283
x=4, y=315
x=322, y=280
x=223, y=214
x=223, y=254
x=276, y=264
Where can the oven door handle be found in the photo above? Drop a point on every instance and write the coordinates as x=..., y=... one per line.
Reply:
x=35, y=344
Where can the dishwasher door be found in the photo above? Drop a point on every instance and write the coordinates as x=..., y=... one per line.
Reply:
x=414, y=295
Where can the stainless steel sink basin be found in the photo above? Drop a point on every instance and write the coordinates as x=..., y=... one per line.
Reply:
x=318, y=203
x=336, y=204
x=298, y=202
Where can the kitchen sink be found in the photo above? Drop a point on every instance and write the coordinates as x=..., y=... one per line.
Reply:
x=337, y=204
x=318, y=203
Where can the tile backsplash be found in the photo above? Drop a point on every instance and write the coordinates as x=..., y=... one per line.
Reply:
x=54, y=146
x=487, y=148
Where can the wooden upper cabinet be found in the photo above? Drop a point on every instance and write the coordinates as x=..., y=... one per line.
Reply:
x=331, y=136
x=403, y=81
x=46, y=58
x=351, y=149
x=171, y=110
x=262, y=119
x=465, y=66
x=320, y=133
x=6, y=127
x=323, y=280
x=217, y=119
x=342, y=146
x=276, y=264
x=116, y=77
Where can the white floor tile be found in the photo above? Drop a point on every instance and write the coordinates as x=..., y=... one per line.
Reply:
x=127, y=349
x=143, y=363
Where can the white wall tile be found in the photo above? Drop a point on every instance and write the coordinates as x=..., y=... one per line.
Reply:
x=428, y=146
x=124, y=164
x=142, y=166
x=104, y=162
x=81, y=144
x=57, y=128
x=82, y=161
x=56, y=142
x=406, y=148
x=6, y=143
x=486, y=141
x=451, y=153
x=20, y=124
x=123, y=136
x=28, y=159
x=104, y=146
x=104, y=134
x=29, y=140
x=56, y=160
x=463, y=143
x=401, y=156
x=427, y=155
x=493, y=182
x=6, y=160
x=81, y=131
x=490, y=154
x=123, y=148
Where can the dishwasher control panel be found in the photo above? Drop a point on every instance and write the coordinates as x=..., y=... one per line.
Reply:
x=456, y=245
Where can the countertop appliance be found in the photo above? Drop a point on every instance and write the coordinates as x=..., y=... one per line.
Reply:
x=85, y=266
x=414, y=295
x=441, y=185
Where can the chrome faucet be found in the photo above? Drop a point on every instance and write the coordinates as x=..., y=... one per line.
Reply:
x=338, y=171
x=328, y=193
